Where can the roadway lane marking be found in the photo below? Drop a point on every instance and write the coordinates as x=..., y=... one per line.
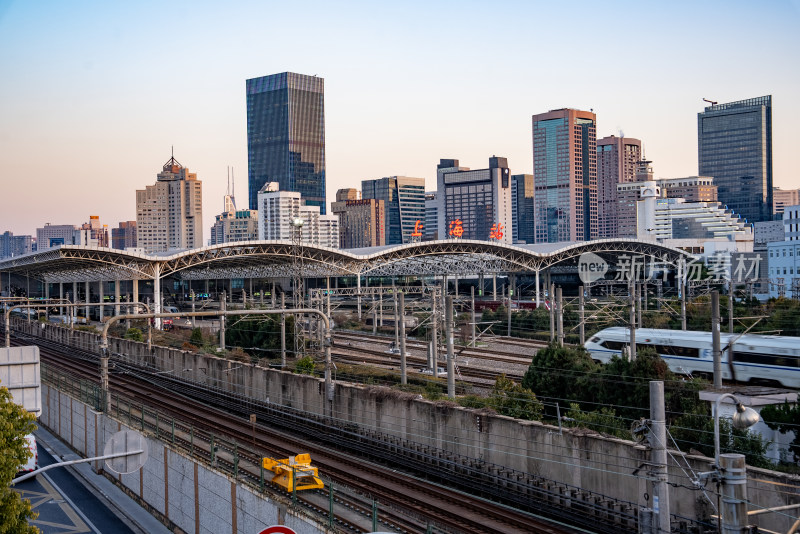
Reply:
x=74, y=508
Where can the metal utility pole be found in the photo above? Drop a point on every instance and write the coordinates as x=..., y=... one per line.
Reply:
x=434, y=332
x=730, y=306
x=283, y=331
x=396, y=323
x=451, y=360
x=222, y=307
x=658, y=445
x=191, y=295
x=552, y=312
x=403, y=376
x=560, y=302
x=632, y=299
x=581, y=316
x=508, y=312
x=715, y=341
x=472, y=292
x=639, y=287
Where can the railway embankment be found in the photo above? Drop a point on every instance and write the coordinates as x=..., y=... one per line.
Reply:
x=583, y=459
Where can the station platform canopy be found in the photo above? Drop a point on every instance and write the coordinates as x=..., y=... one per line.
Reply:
x=278, y=259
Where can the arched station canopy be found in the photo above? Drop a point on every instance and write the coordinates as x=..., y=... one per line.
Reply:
x=268, y=259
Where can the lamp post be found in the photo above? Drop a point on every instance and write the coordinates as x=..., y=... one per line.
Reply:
x=732, y=470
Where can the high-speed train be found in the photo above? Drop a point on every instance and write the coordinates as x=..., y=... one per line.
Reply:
x=755, y=358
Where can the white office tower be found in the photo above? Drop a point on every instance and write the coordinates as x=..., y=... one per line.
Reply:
x=280, y=211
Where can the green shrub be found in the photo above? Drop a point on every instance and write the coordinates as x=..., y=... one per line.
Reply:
x=134, y=334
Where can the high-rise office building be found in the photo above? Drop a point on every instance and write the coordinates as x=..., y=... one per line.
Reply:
x=404, y=204
x=54, y=235
x=361, y=221
x=734, y=142
x=430, y=232
x=565, y=175
x=169, y=214
x=15, y=245
x=617, y=158
x=286, y=136
x=522, y=208
x=783, y=198
x=277, y=211
x=476, y=204
x=124, y=236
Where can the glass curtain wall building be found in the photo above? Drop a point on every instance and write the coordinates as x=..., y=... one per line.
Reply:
x=404, y=205
x=565, y=175
x=286, y=136
x=522, y=208
x=734, y=146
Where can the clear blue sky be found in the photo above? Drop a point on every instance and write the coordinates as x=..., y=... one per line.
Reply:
x=94, y=94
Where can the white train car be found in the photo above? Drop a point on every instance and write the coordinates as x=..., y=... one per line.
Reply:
x=757, y=359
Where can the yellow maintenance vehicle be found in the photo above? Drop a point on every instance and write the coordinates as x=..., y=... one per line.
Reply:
x=294, y=473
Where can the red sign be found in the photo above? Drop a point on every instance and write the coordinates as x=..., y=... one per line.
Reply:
x=277, y=529
x=417, y=229
x=496, y=232
x=456, y=228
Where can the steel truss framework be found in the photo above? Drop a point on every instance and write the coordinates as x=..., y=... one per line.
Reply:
x=273, y=259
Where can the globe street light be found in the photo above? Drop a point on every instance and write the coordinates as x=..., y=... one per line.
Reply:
x=744, y=417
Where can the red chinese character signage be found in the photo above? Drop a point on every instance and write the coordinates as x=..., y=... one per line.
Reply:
x=496, y=232
x=418, y=226
x=456, y=228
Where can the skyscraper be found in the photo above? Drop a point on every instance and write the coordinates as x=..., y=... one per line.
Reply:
x=734, y=146
x=286, y=136
x=169, y=214
x=617, y=158
x=476, y=204
x=522, y=208
x=404, y=204
x=565, y=175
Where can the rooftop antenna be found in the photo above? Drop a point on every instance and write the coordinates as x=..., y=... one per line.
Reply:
x=712, y=102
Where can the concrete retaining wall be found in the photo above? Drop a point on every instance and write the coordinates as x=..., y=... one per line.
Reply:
x=185, y=495
x=572, y=456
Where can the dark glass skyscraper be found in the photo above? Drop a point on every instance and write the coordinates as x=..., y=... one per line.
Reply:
x=734, y=142
x=404, y=201
x=286, y=136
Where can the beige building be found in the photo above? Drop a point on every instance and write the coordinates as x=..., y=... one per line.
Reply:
x=617, y=161
x=781, y=198
x=169, y=214
x=361, y=222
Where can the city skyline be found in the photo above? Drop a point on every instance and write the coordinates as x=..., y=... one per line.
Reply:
x=85, y=93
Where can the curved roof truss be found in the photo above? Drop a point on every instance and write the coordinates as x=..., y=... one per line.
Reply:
x=267, y=259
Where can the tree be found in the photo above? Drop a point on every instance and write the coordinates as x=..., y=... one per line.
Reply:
x=511, y=399
x=134, y=334
x=15, y=424
x=785, y=418
x=561, y=373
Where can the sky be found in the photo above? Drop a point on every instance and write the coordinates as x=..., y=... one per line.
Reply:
x=95, y=95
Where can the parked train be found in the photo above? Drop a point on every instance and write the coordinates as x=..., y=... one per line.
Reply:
x=773, y=360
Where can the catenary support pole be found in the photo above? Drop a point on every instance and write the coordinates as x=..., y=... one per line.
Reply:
x=434, y=331
x=472, y=312
x=191, y=296
x=658, y=444
x=448, y=329
x=560, y=317
x=283, y=331
x=403, y=375
x=222, y=308
x=632, y=299
x=551, y=299
x=538, y=300
x=581, y=316
x=508, y=311
x=715, y=339
x=730, y=306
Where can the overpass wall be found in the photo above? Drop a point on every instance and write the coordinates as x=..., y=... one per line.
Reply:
x=187, y=496
x=571, y=456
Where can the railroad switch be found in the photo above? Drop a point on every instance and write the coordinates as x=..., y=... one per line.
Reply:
x=294, y=473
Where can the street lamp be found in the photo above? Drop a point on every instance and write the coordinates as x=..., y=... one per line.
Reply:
x=744, y=417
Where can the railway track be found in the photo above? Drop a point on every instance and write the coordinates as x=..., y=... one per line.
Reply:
x=448, y=509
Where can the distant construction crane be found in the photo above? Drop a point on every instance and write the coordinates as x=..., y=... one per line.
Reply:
x=712, y=102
